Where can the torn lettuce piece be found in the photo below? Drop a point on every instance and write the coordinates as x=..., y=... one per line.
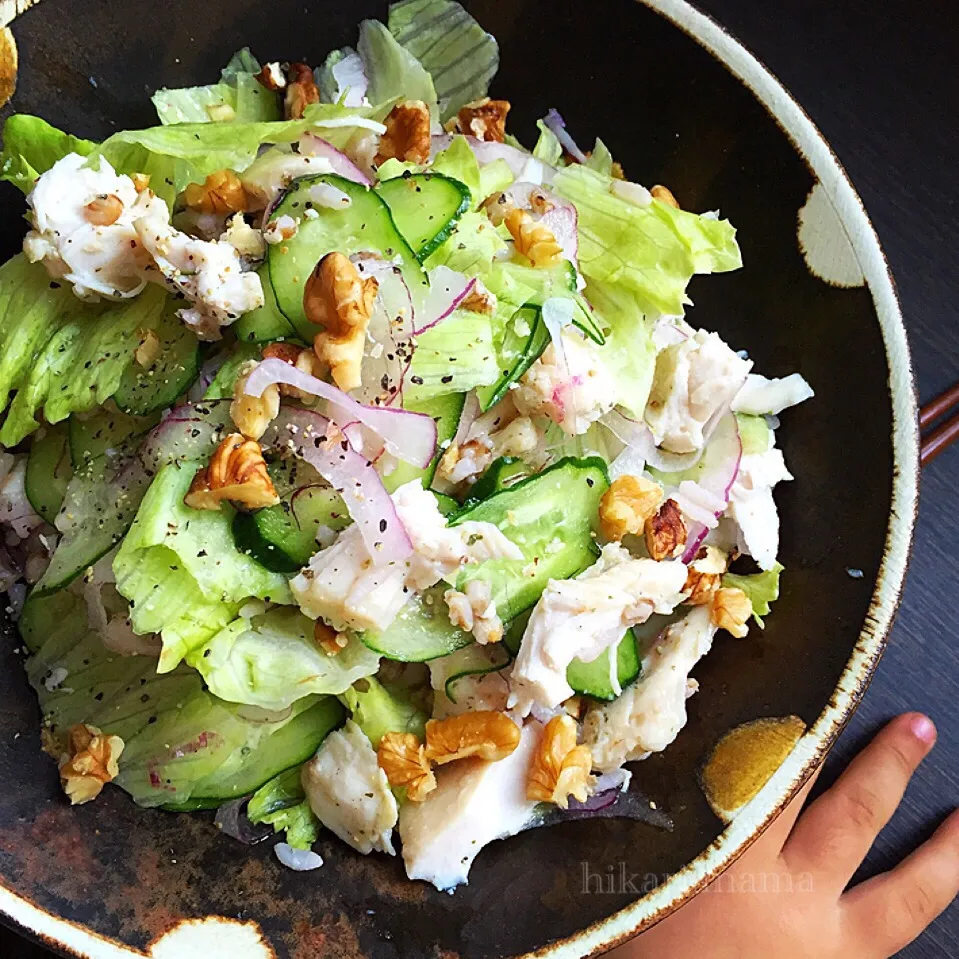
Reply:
x=651, y=251
x=393, y=72
x=272, y=660
x=471, y=247
x=31, y=146
x=181, y=571
x=459, y=162
x=761, y=588
x=242, y=62
x=379, y=709
x=282, y=804
x=601, y=160
x=548, y=148
x=459, y=54
x=342, y=78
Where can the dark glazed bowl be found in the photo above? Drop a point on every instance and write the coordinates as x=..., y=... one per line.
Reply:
x=679, y=102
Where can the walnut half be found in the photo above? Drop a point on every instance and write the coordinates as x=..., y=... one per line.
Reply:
x=705, y=576
x=337, y=298
x=301, y=91
x=665, y=532
x=484, y=733
x=484, y=119
x=626, y=505
x=731, y=610
x=237, y=472
x=407, y=134
x=90, y=762
x=402, y=757
x=220, y=193
x=560, y=768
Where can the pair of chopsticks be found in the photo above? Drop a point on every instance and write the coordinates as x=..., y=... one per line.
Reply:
x=934, y=441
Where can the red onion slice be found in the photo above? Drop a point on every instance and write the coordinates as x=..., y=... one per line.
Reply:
x=320, y=443
x=448, y=289
x=409, y=436
x=562, y=222
x=312, y=145
x=557, y=124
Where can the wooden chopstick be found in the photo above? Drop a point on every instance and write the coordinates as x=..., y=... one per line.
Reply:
x=943, y=435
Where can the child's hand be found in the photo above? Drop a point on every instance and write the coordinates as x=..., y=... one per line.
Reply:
x=785, y=896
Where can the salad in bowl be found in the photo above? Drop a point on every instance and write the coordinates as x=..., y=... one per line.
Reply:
x=362, y=469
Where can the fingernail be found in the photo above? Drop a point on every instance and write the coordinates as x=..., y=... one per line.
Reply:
x=923, y=729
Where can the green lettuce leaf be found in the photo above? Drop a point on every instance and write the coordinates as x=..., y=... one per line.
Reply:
x=459, y=162
x=282, y=804
x=392, y=70
x=31, y=146
x=272, y=660
x=181, y=571
x=242, y=63
x=601, y=160
x=652, y=251
x=548, y=148
x=761, y=588
x=378, y=709
x=471, y=247
x=461, y=56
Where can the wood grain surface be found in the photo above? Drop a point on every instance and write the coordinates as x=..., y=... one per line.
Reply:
x=880, y=81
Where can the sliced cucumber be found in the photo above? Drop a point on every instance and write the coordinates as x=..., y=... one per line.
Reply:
x=266, y=323
x=551, y=518
x=94, y=434
x=143, y=390
x=446, y=411
x=422, y=631
x=593, y=679
x=49, y=469
x=365, y=225
x=283, y=538
x=501, y=474
x=426, y=208
x=525, y=339
x=476, y=660
x=446, y=504
x=561, y=280
x=221, y=387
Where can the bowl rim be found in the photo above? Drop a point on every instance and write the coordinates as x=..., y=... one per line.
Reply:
x=62, y=934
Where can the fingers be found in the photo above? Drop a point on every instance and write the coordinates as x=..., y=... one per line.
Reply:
x=779, y=831
x=833, y=836
x=891, y=910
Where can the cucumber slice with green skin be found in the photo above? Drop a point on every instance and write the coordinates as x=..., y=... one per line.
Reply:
x=426, y=208
x=551, y=518
x=283, y=538
x=221, y=386
x=104, y=429
x=445, y=504
x=519, y=351
x=266, y=323
x=593, y=679
x=365, y=225
x=421, y=632
x=476, y=662
x=502, y=473
x=561, y=280
x=446, y=411
x=49, y=469
x=144, y=390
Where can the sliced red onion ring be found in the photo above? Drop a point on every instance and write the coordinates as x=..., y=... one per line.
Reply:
x=448, y=289
x=312, y=145
x=558, y=125
x=300, y=860
x=562, y=222
x=410, y=436
x=232, y=820
x=188, y=432
x=320, y=443
x=640, y=444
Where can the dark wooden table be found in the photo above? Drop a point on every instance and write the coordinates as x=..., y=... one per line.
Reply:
x=880, y=80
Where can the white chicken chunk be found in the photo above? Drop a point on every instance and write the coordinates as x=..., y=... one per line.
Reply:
x=344, y=586
x=571, y=387
x=650, y=714
x=83, y=229
x=349, y=792
x=760, y=395
x=752, y=507
x=583, y=617
x=694, y=380
x=474, y=803
x=208, y=273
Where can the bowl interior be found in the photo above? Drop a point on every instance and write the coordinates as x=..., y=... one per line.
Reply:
x=671, y=114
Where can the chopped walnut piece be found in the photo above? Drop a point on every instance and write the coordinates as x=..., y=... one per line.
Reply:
x=301, y=91
x=328, y=639
x=103, y=210
x=705, y=576
x=498, y=206
x=480, y=300
x=560, y=768
x=627, y=504
x=474, y=611
x=402, y=757
x=407, y=134
x=485, y=733
x=574, y=706
x=90, y=762
x=337, y=298
x=539, y=202
x=236, y=472
x=731, y=610
x=665, y=532
x=664, y=195
x=485, y=119
x=220, y=193
x=535, y=241
x=253, y=414
x=272, y=77
x=148, y=349
x=304, y=359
